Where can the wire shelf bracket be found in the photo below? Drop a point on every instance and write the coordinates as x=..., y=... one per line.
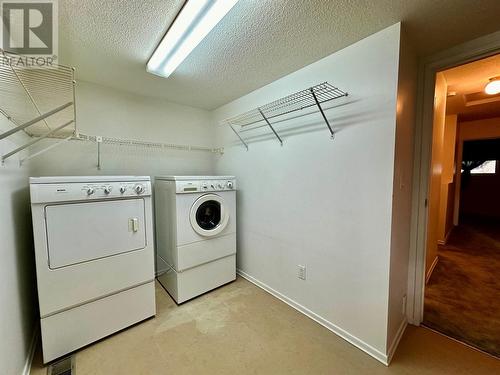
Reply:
x=238, y=135
x=263, y=116
x=99, y=157
x=269, y=124
x=332, y=134
x=35, y=120
x=54, y=145
x=36, y=140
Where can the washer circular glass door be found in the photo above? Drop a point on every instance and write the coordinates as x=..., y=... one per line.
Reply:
x=208, y=215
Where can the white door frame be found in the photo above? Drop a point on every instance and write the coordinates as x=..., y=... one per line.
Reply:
x=476, y=49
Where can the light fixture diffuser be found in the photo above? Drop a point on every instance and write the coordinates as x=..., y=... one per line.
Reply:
x=493, y=87
x=195, y=20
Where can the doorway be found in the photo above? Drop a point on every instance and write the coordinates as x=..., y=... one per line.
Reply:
x=462, y=259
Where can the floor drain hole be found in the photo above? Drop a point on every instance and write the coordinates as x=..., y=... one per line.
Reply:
x=65, y=366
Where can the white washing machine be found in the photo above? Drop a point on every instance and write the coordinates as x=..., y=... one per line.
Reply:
x=195, y=233
x=94, y=256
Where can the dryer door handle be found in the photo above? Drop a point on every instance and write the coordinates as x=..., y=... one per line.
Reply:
x=133, y=224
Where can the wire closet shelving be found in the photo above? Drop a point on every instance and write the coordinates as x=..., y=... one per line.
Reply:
x=41, y=103
x=263, y=116
x=141, y=144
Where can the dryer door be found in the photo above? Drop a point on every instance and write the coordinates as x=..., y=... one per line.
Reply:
x=208, y=215
x=82, y=232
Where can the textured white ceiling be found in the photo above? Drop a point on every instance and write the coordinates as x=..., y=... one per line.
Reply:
x=472, y=77
x=110, y=41
x=469, y=79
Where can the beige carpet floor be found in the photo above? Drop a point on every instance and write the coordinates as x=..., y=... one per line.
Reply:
x=240, y=329
x=462, y=298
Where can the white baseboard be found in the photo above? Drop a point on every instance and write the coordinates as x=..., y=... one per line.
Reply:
x=431, y=270
x=396, y=340
x=31, y=352
x=368, y=349
x=447, y=235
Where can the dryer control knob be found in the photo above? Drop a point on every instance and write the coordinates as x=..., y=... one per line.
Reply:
x=90, y=191
x=229, y=184
x=107, y=190
x=219, y=186
x=123, y=189
x=139, y=189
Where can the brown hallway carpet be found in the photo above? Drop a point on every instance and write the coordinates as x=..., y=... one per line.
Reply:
x=462, y=298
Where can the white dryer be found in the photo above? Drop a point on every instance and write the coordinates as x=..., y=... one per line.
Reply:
x=94, y=256
x=195, y=233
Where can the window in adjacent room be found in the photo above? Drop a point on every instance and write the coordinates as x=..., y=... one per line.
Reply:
x=488, y=167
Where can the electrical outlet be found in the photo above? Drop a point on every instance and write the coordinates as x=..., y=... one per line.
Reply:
x=404, y=305
x=302, y=272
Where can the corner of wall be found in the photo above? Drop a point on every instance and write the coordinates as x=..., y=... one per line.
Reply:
x=402, y=192
x=18, y=300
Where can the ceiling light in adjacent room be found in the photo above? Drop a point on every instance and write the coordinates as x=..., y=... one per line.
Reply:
x=493, y=87
x=195, y=20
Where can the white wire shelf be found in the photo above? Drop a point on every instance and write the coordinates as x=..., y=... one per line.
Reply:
x=38, y=101
x=264, y=115
x=145, y=144
x=140, y=144
x=99, y=140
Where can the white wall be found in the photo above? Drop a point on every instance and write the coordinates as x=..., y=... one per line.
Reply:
x=321, y=203
x=108, y=112
x=440, y=97
x=402, y=189
x=17, y=281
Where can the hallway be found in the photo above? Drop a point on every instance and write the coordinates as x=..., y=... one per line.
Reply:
x=462, y=298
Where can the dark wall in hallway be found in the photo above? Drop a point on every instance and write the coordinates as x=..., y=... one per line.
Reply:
x=481, y=195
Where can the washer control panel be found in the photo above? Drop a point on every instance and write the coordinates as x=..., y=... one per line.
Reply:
x=88, y=191
x=186, y=187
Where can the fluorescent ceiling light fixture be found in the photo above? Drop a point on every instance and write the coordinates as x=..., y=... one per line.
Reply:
x=195, y=20
x=493, y=87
